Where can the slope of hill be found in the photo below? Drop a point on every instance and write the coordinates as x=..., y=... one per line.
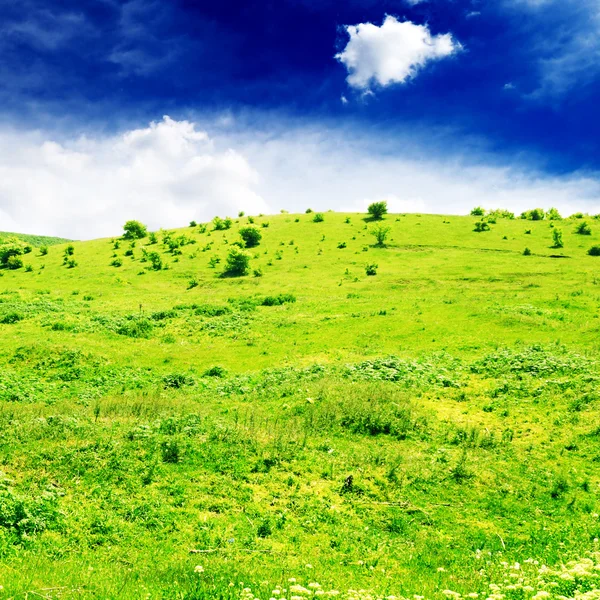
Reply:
x=407, y=432
x=34, y=240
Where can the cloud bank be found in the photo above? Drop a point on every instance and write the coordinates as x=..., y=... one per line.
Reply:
x=392, y=53
x=166, y=174
x=171, y=172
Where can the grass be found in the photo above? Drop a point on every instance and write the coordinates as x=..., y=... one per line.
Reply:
x=167, y=440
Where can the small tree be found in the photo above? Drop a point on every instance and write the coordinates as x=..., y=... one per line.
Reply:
x=583, y=228
x=378, y=209
x=251, y=236
x=237, y=263
x=318, y=218
x=478, y=212
x=134, y=230
x=9, y=249
x=557, y=238
x=553, y=215
x=380, y=233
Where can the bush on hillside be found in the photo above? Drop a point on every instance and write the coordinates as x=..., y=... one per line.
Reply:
x=501, y=213
x=278, y=300
x=155, y=260
x=481, y=226
x=478, y=211
x=12, y=248
x=14, y=262
x=378, y=209
x=222, y=224
x=536, y=214
x=237, y=263
x=380, y=233
x=371, y=269
x=557, y=239
x=318, y=218
x=583, y=228
x=553, y=215
x=594, y=251
x=134, y=230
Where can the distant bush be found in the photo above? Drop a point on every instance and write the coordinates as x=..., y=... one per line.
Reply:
x=129, y=252
x=211, y=310
x=501, y=213
x=136, y=327
x=222, y=224
x=134, y=230
x=155, y=260
x=378, y=209
x=152, y=238
x=71, y=263
x=278, y=300
x=478, y=211
x=308, y=211
x=371, y=269
x=583, y=228
x=577, y=215
x=43, y=250
x=536, y=214
x=341, y=245
x=527, y=252
x=11, y=249
x=318, y=218
x=251, y=220
x=193, y=224
x=380, y=233
x=11, y=318
x=557, y=238
x=237, y=263
x=117, y=262
x=594, y=251
x=70, y=250
x=481, y=226
x=14, y=262
x=215, y=371
x=241, y=214
x=177, y=381
x=265, y=224
x=553, y=215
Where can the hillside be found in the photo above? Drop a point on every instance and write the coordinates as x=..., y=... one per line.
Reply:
x=411, y=431
x=34, y=240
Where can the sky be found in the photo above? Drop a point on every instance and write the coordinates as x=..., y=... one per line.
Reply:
x=175, y=111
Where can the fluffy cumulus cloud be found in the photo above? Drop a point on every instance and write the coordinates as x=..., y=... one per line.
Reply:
x=391, y=53
x=165, y=174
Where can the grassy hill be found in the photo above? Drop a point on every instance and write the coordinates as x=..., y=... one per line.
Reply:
x=34, y=240
x=173, y=433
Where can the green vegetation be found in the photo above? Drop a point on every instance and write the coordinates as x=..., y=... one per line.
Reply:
x=407, y=417
x=377, y=210
x=34, y=240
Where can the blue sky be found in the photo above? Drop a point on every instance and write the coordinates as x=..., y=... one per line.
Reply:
x=434, y=105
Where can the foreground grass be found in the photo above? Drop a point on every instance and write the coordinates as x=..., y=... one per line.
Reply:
x=399, y=433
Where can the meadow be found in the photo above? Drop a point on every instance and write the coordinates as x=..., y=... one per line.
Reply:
x=413, y=418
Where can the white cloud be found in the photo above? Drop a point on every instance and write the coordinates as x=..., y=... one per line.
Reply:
x=391, y=53
x=165, y=174
x=174, y=171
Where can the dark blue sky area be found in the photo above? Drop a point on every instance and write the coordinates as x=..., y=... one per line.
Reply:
x=526, y=80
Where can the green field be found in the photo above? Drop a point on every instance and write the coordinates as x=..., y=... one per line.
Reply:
x=34, y=240
x=175, y=433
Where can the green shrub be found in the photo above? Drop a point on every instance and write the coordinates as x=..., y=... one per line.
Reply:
x=481, y=226
x=308, y=211
x=557, y=239
x=117, y=262
x=378, y=209
x=527, y=252
x=501, y=213
x=155, y=260
x=318, y=218
x=478, y=212
x=11, y=318
x=43, y=250
x=371, y=269
x=536, y=214
x=193, y=224
x=241, y=214
x=178, y=380
x=14, y=262
x=594, y=251
x=278, y=300
x=71, y=263
x=215, y=371
x=9, y=249
x=380, y=233
x=583, y=228
x=251, y=236
x=222, y=224
x=237, y=263
x=136, y=327
x=265, y=224
x=152, y=238
x=134, y=230
x=553, y=215
x=341, y=245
